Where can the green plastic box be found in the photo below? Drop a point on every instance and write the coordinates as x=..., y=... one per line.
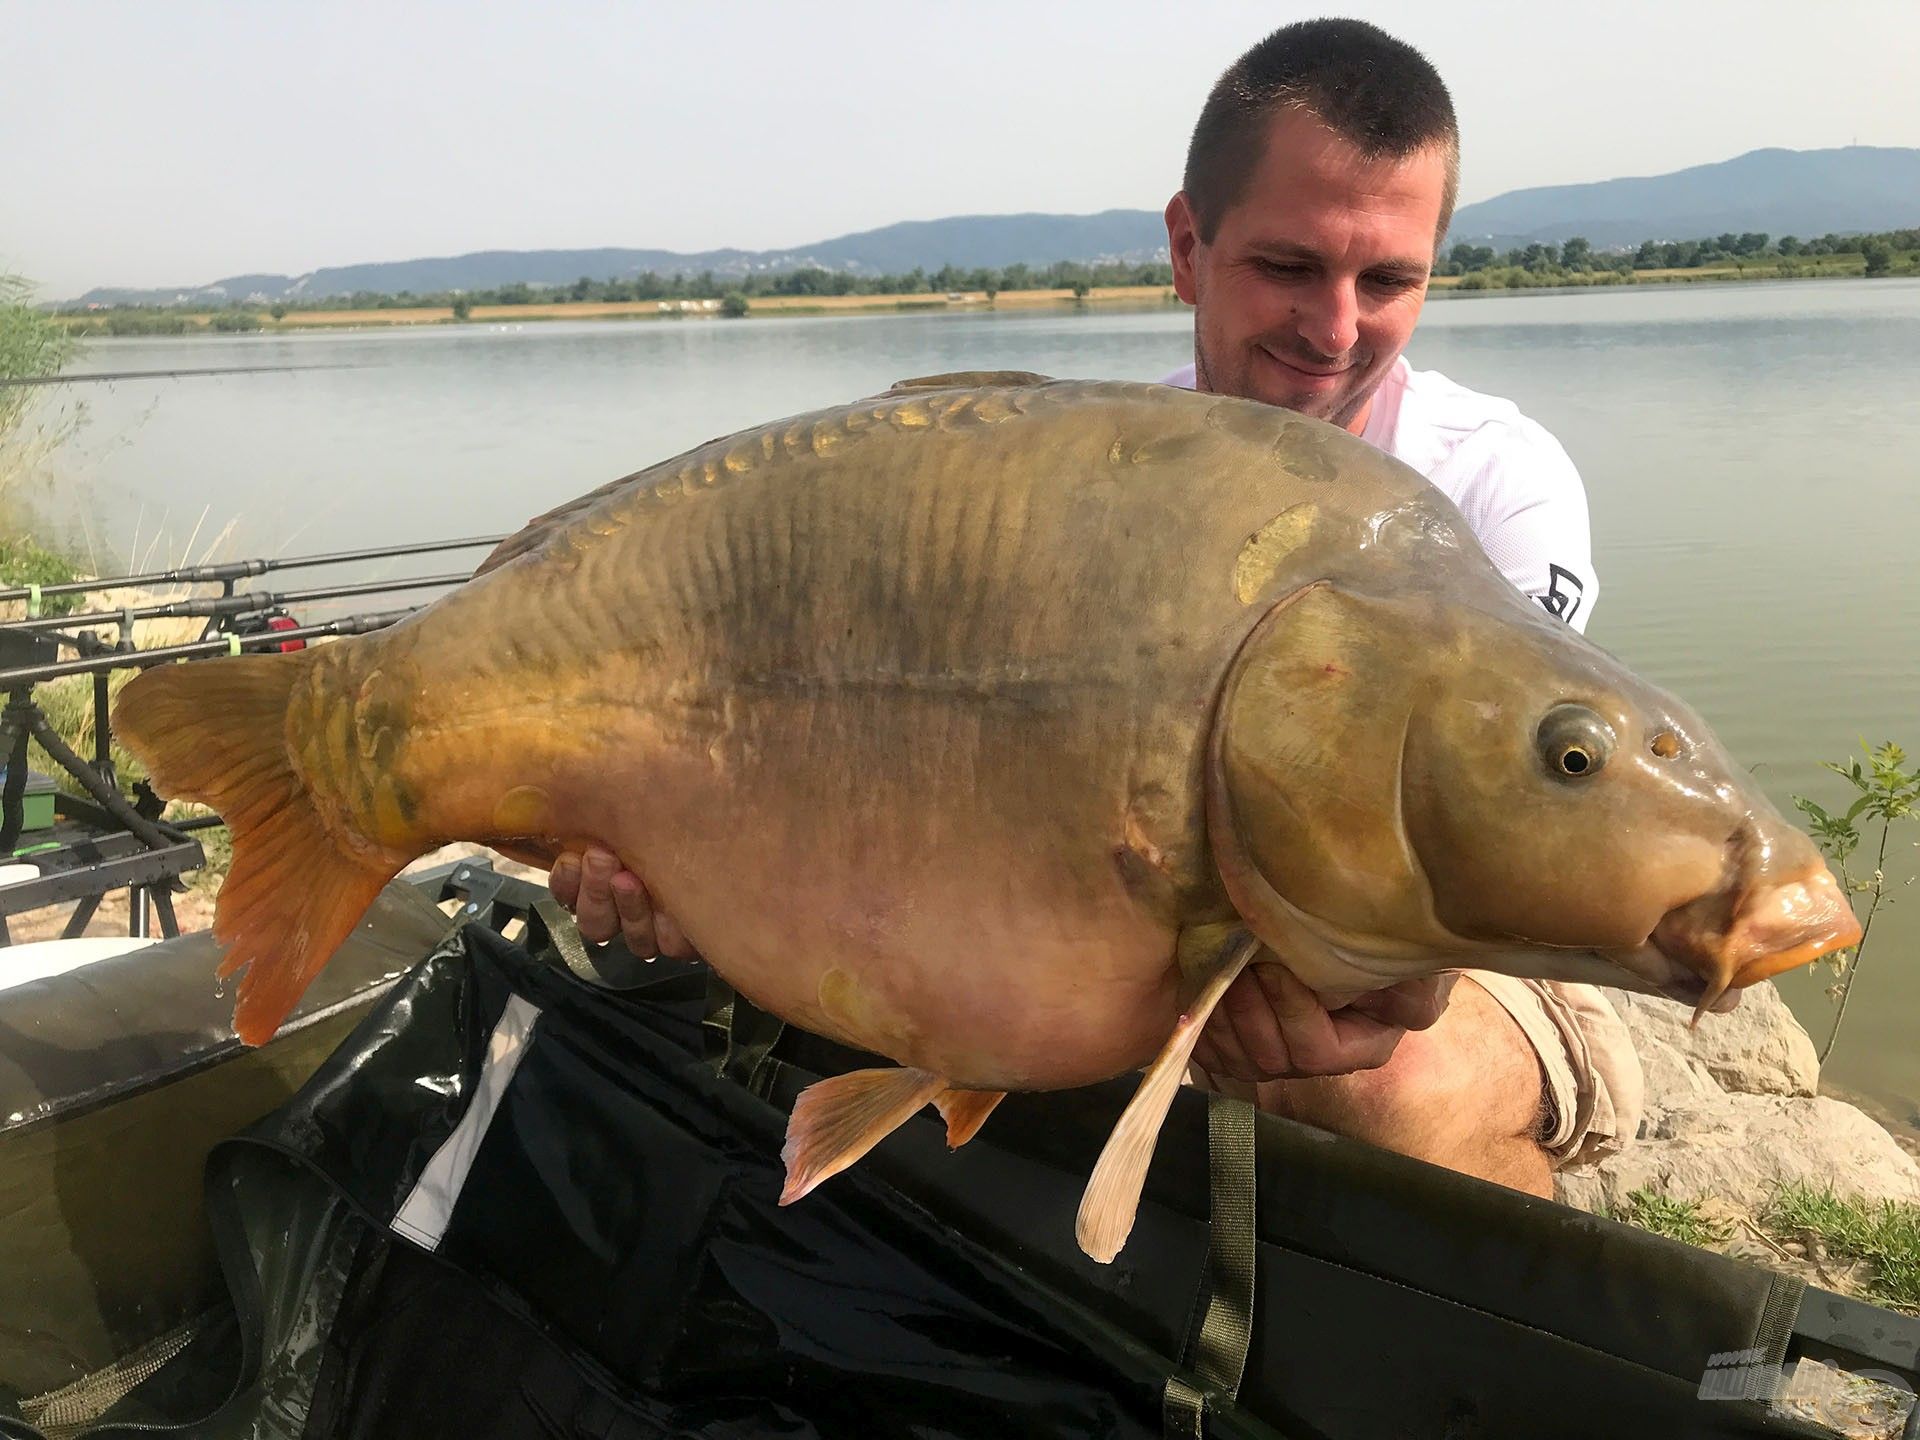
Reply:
x=37, y=805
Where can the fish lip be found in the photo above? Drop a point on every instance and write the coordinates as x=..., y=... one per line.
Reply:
x=1764, y=929
x=1818, y=920
x=1705, y=951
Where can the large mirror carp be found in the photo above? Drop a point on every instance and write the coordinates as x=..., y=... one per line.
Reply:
x=995, y=724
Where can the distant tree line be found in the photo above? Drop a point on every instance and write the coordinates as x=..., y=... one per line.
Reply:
x=157, y=320
x=1478, y=267
x=1079, y=277
x=1577, y=262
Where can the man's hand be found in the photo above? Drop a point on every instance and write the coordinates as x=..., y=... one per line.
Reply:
x=607, y=900
x=1269, y=1026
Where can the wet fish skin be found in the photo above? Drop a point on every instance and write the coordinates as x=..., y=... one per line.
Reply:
x=970, y=724
x=888, y=717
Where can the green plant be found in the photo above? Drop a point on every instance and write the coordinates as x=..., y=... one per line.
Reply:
x=1887, y=792
x=216, y=843
x=1680, y=1220
x=25, y=561
x=734, y=305
x=33, y=346
x=462, y=307
x=1883, y=1233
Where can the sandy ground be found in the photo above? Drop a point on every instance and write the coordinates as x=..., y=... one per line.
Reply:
x=194, y=911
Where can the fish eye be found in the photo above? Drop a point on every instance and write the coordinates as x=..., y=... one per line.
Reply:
x=1574, y=742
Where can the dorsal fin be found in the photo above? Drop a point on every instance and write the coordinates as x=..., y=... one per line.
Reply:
x=968, y=379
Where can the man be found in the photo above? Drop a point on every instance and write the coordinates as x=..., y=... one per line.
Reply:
x=1320, y=180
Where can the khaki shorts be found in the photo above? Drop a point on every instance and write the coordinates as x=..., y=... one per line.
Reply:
x=1593, y=1085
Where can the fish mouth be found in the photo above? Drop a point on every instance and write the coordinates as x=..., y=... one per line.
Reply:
x=1704, y=952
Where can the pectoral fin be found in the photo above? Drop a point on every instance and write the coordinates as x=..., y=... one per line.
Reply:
x=836, y=1121
x=1113, y=1193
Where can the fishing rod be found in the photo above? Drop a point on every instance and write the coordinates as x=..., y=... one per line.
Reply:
x=219, y=607
x=232, y=570
x=27, y=675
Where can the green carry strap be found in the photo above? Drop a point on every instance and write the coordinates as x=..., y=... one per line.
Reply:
x=740, y=1037
x=1220, y=1325
x=563, y=937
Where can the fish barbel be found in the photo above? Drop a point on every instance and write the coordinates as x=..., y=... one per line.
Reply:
x=994, y=724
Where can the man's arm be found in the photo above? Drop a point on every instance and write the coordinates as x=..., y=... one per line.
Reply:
x=1526, y=504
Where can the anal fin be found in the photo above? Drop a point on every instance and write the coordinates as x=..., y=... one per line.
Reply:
x=965, y=1111
x=1113, y=1192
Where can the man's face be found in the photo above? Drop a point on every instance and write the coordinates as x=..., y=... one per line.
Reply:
x=1312, y=283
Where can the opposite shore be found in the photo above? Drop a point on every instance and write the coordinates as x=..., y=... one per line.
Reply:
x=108, y=323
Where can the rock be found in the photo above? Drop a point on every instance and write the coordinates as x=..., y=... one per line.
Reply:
x=1672, y=1076
x=1757, y=1049
x=1583, y=1189
x=1732, y=1115
x=1740, y=1149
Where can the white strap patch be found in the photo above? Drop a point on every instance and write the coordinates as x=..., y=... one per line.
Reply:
x=424, y=1217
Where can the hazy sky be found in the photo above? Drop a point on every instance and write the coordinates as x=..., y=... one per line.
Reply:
x=164, y=142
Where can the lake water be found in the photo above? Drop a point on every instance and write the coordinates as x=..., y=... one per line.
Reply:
x=1752, y=454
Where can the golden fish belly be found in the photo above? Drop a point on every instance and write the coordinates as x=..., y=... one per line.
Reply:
x=960, y=882
x=985, y=963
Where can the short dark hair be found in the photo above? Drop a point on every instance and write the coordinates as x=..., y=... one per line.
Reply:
x=1377, y=93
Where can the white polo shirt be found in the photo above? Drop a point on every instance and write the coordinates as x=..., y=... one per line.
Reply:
x=1516, y=487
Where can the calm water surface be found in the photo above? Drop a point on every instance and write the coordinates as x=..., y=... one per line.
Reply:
x=1750, y=454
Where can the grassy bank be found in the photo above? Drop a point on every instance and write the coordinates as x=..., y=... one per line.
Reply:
x=1870, y=1249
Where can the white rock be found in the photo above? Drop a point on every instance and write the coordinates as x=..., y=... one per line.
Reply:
x=1740, y=1149
x=1673, y=1077
x=1757, y=1049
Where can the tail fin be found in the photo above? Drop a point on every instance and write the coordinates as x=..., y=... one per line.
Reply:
x=215, y=732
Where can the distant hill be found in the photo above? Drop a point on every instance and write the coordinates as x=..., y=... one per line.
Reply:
x=1797, y=192
x=1781, y=192
x=964, y=240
